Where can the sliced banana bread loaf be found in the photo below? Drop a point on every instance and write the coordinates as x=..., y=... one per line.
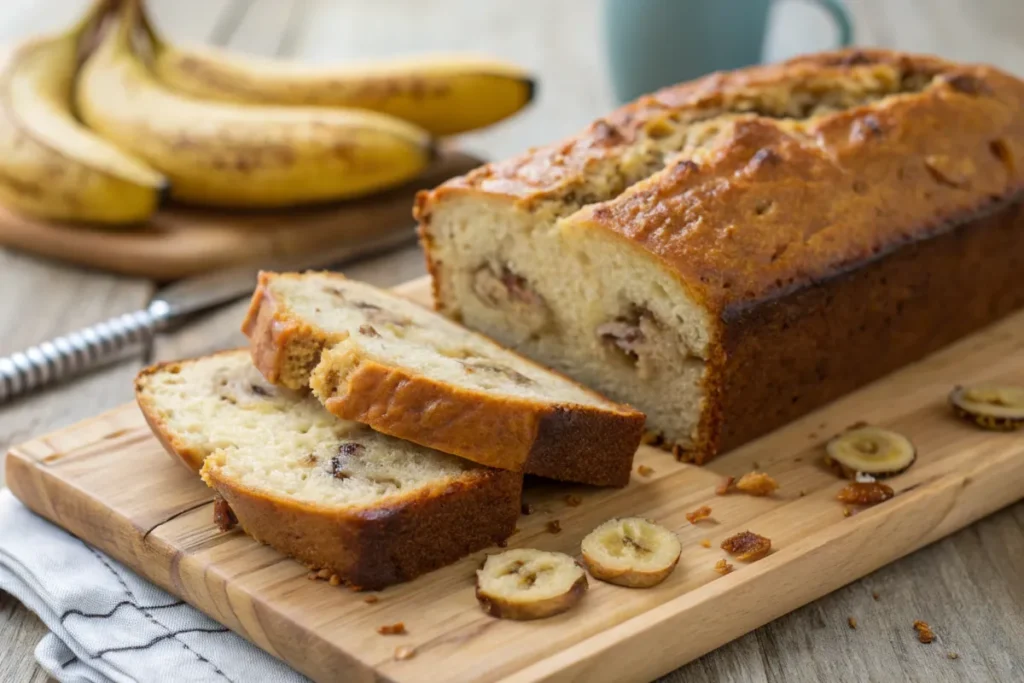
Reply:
x=731, y=253
x=372, y=509
x=374, y=357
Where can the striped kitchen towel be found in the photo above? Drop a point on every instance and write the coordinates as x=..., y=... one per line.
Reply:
x=108, y=624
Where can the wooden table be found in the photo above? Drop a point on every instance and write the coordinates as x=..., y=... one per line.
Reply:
x=969, y=587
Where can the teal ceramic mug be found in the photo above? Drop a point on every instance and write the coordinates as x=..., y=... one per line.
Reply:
x=654, y=43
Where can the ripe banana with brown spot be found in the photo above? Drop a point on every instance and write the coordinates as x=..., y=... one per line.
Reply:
x=444, y=94
x=51, y=166
x=225, y=154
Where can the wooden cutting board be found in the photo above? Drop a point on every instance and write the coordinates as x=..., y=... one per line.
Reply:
x=109, y=482
x=181, y=241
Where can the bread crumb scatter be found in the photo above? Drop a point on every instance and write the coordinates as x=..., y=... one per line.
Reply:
x=952, y=655
x=874, y=596
x=573, y=501
x=924, y=632
x=645, y=471
x=554, y=527
x=847, y=512
x=335, y=580
x=725, y=486
x=756, y=484
x=405, y=652
x=865, y=493
x=747, y=546
x=756, y=465
x=397, y=629
x=703, y=512
x=311, y=576
x=705, y=542
x=852, y=622
x=371, y=599
x=527, y=509
x=324, y=574
x=723, y=567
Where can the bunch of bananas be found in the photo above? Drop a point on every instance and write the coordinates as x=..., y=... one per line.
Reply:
x=214, y=129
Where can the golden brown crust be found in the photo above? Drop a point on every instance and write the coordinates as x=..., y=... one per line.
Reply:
x=575, y=443
x=830, y=247
x=579, y=443
x=908, y=304
x=392, y=542
x=284, y=349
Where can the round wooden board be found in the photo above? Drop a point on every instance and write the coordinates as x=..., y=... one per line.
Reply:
x=182, y=241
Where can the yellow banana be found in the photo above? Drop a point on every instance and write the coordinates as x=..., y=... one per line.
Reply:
x=51, y=166
x=445, y=94
x=226, y=154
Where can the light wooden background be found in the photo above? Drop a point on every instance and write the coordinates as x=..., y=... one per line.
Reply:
x=969, y=587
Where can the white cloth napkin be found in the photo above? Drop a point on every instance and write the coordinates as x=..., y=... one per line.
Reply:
x=109, y=625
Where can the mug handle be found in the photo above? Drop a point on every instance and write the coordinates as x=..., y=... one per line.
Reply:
x=842, y=19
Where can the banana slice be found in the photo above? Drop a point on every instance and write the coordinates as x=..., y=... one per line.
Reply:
x=632, y=552
x=526, y=584
x=870, y=450
x=990, y=406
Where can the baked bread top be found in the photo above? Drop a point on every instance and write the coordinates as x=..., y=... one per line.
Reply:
x=371, y=356
x=753, y=183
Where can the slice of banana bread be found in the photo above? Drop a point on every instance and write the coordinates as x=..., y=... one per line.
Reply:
x=374, y=357
x=372, y=509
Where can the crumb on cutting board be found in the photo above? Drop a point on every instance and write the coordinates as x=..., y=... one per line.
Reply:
x=554, y=527
x=747, y=546
x=396, y=629
x=756, y=484
x=723, y=567
x=645, y=471
x=703, y=512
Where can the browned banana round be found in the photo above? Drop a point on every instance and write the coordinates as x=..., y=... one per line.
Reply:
x=526, y=584
x=632, y=552
x=990, y=406
x=870, y=450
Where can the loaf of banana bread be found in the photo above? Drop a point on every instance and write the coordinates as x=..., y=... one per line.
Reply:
x=729, y=254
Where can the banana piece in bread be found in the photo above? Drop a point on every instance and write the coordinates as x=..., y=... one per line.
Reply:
x=376, y=358
x=372, y=509
x=729, y=254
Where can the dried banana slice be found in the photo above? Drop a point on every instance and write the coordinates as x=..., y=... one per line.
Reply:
x=870, y=450
x=990, y=406
x=632, y=552
x=526, y=584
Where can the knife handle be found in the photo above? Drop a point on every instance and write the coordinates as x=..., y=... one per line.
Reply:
x=79, y=352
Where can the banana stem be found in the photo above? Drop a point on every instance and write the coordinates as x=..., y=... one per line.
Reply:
x=92, y=17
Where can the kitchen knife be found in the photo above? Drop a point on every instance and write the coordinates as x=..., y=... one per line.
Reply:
x=117, y=338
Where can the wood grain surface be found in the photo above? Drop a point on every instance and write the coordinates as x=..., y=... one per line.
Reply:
x=969, y=586
x=156, y=517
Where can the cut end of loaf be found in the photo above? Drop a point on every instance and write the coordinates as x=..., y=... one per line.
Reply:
x=582, y=301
